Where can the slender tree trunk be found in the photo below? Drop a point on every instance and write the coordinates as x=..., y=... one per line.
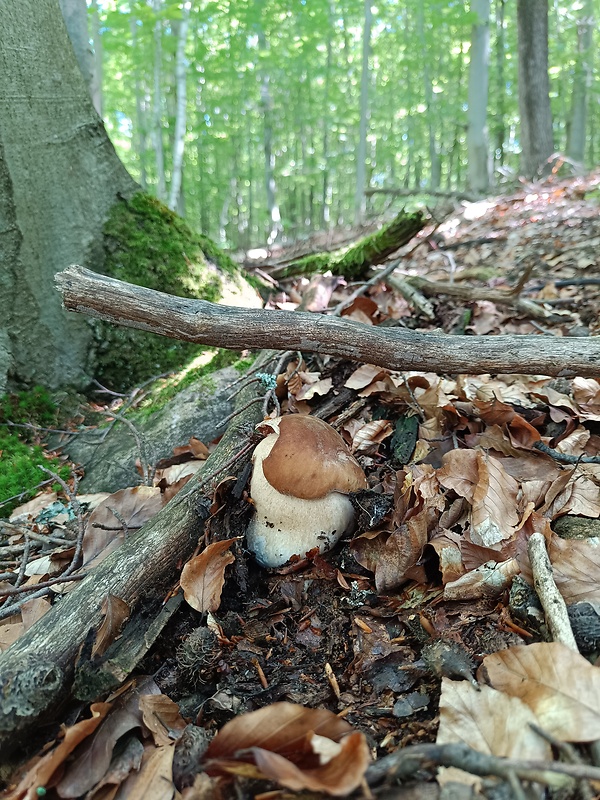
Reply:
x=576, y=132
x=140, y=108
x=434, y=155
x=537, y=143
x=180, y=113
x=325, y=123
x=360, y=205
x=499, y=124
x=97, y=70
x=477, y=138
x=59, y=177
x=161, y=186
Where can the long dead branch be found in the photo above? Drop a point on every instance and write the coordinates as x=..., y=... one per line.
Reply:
x=399, y=349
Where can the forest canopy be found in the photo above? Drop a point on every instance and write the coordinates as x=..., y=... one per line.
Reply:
x=282, y=115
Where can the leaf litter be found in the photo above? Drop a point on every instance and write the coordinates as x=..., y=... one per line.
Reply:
x=304, y=678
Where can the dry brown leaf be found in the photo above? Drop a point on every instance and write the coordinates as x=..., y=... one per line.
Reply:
x=162, y=718
x=491, y=491
x=309, y=390
x=364, y=375
x=576, y=568
x=94, y=757
x=488, y=580
x=154, y=781
x=115, y=612
x=134, y=506
x=368, y=438
x=203, y=576
x=488, y=721
x=560, y=686
x=283, y=742
x=42, y=769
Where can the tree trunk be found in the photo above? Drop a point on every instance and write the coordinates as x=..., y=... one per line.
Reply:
x=75, y=16
x=477, y=137
x=534, y=87
x=59, y=176
x=500, y=93
x=360, y=204
x=161, y=186
x=582, y=79
x=180, y=114
x=140, y=108
x=97, y=71
x=434, y=155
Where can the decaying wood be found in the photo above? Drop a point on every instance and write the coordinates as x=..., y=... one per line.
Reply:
x=36, y=672
x=398, y=349
x=469, y=293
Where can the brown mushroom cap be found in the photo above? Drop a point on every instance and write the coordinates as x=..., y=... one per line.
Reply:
x=310, y=459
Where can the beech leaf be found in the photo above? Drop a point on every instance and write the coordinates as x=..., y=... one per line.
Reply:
x=560, y=686
x=203, y=576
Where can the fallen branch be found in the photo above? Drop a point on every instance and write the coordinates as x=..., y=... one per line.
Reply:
x=398, y=349
x=469, y=293
x=36, y=672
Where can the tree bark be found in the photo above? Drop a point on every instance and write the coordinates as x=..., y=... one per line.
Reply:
x=59, y=176
x=534, y=87
x=36, y=672
x=477, y=135
x=161, y=185
x=75, y=16
x=239, y=328
x=360, y=205
x=97, y=69
x=180, y=114
x=582, y=79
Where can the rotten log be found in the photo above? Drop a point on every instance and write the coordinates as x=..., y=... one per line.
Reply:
x=398, y=349
x=37, y=671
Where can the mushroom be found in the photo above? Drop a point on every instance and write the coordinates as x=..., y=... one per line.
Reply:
x=302, y=474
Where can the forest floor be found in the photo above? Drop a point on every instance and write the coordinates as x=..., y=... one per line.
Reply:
x=418, y=646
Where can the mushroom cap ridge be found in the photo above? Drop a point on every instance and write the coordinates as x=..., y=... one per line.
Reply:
x=310, y=459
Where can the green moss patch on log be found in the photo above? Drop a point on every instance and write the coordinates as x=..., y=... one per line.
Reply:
x=354, y=262
x=147, y=244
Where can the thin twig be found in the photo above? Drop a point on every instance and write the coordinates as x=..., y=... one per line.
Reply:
x=555, y=608
x=16, y=590
x=364, y=287
x=565, y=458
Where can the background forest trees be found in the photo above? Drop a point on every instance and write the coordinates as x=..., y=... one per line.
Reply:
x=256, y=118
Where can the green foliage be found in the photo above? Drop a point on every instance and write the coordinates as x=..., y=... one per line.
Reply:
x=19, y=465
x=148, y=245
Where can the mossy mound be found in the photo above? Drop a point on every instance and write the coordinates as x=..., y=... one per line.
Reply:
x=147, y=244
x=22, y=456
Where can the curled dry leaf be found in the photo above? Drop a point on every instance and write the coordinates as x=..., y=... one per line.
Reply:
x=488, y=721
x=370, y=436
x=42, y=769
x=162, y=718
x=154, y=781
x=560, y=686
x=284, y=743
x=104, y=531
x=203, y=576
x=492, y=492
x=115, y=612
x=488, y=580
x=576, y=568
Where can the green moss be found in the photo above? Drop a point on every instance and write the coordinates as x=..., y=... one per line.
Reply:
x=149, y=245
x=166, y=388
x=20, y=474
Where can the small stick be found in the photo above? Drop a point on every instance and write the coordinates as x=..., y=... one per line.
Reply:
x=555, y=608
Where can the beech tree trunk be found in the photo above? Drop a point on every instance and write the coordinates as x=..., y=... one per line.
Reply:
x=477, y=133
x=59, y=176
x=534, y=87
x=582, y=78
x=161, y=185
x=360, y=203
x=180, y=114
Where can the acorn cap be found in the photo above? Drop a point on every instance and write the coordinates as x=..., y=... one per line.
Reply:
x=309, y=459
